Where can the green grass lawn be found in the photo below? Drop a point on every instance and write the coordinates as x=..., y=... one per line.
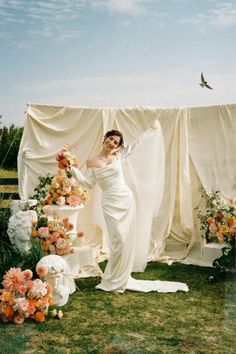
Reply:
x=8, y=173
x=13, y=189
x=200, y=321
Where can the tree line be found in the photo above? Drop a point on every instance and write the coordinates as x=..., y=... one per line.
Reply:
x=10, y=138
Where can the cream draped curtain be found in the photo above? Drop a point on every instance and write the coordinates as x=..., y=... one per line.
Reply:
x=200, y=150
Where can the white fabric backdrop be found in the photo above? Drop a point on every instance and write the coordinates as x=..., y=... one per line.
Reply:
x=200, y=150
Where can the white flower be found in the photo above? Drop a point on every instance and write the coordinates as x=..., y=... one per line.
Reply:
x=54, y=312
x=38, y=289
x=60, y=314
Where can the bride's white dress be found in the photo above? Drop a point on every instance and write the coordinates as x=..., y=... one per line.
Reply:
x=119, y=211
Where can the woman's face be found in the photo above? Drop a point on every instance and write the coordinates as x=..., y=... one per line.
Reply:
x=111, y=142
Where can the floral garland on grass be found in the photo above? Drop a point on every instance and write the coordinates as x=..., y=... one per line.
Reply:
x=22, y=297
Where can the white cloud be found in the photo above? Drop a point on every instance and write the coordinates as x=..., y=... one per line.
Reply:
x=132, y=7
x=55, y=32
x=223, y=14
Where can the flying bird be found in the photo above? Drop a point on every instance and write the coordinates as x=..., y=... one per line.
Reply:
x=204, y=83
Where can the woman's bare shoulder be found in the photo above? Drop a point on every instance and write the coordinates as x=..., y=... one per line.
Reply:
x=92, y=162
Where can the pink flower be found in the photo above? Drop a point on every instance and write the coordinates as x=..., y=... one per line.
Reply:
x=73, y=200
x=38, y=289
x=61, y=201
x=21, y=306
x=61, y=243
x=213, y=228
x=59, y=155
x=12, y=279
x=6, y=319
x=41, y=270
x=22, y=288
x=43, y=231
x=19, y=318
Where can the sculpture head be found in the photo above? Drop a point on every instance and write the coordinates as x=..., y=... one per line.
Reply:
x=19, y=229
x=57, y=274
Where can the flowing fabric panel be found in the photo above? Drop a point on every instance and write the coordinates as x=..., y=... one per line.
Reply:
x=145, y=173
x=212, y=147
x=47, y=130
x=199, y=146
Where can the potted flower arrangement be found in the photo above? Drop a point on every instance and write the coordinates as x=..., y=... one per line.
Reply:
x=219, y=219
x=64, y=190
x=22, y=298
x=218, y=224
x=66, y=195
x=54, y=235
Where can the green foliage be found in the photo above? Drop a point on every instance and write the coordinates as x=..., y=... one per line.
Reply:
x=4, y=217
x=9, y=145
x=9, y=257
x=226, y=262
x=40, y=192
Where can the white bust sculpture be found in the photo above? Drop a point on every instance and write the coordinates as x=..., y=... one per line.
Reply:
x=17, y=205
x=58, y=276
x=19, y=229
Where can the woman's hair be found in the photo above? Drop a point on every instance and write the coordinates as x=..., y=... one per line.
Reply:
x=115, y=132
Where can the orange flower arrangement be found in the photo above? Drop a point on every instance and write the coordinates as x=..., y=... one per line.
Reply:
x=22, y=297
x=219, y=219
x=53, y=235
x=65, y=190
x=66, y=159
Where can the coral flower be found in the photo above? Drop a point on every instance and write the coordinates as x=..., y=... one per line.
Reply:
x=41, y=270
x=39, y=316
x=209, y=220
x=231, y=221
x=27, y=274
x=12, y=279
x=69, y=226
x=9, y=311
x=34, y=233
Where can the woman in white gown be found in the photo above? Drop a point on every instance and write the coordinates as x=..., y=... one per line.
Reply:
x=119, y=211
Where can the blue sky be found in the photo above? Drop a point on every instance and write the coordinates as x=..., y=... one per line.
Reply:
x=115, y=53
